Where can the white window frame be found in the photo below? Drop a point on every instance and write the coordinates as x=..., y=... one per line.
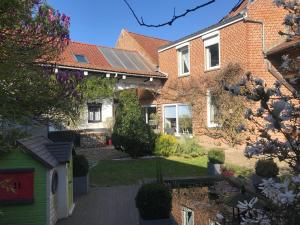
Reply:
x=179, y=49
x=209, y=40
x=184, y=211
x=146, y=111
x=177, y=116
x=209, y=123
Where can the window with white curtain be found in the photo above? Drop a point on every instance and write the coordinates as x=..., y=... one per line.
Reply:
x=212, y=110
x=183, y=61
x=187, y=216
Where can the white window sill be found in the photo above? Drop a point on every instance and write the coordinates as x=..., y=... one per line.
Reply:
x=212, y=69
x=184, y=75
x=213, y=126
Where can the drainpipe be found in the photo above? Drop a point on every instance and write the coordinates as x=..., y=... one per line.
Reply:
x=263, y=30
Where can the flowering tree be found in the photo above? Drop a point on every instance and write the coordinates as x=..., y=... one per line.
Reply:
x=277, y=122
x=32, y=36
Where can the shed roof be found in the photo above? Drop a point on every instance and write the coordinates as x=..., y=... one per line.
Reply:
x=61, y=151
x=47, y=152
x=36, y=146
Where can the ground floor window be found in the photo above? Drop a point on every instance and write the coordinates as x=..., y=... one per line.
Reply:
x=212, y=110
x=94, y=112
x=150, y=116
x=187, y=216
x=178, y=119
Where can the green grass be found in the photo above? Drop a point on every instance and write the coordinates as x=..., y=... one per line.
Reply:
x=108, y=173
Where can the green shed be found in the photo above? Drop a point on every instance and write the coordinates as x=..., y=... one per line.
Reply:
x=36, y=182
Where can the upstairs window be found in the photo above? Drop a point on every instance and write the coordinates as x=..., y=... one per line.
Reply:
x=212, y=51
x=183, y=60
x=94, y=113
x=81, y=59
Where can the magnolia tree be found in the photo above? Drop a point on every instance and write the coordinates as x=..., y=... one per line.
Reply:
x=277, y=122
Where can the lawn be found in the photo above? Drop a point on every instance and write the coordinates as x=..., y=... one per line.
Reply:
x=122, y=172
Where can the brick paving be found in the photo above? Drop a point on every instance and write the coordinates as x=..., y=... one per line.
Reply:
x=105, y=206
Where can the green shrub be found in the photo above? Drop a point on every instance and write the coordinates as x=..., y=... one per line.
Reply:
x=166, y=145
x=189, y=147
x=154, y=201
x=266, y=168
x=80, y=166
x=131, y=134
x=216, y=156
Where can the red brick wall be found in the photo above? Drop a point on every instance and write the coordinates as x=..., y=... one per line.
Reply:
x=240, y=42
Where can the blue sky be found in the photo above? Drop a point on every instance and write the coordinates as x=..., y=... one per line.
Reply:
x=100, y=21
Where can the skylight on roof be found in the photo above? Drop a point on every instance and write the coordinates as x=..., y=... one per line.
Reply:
x=81, y=58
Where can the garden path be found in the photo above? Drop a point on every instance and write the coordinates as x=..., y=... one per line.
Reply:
x=105, y=206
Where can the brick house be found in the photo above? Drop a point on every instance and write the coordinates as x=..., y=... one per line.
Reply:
x=244, y=36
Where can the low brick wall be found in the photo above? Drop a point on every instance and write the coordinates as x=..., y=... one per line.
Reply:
x=92, y=139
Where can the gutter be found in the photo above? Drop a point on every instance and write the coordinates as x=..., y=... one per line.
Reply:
x=110, y=72
x=263, y=30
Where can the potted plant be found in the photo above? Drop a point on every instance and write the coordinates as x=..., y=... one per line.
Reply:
x=216, y=158
x=264, y=169
x=154, y=202
x=80, y=174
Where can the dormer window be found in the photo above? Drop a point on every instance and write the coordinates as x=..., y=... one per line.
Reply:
x=81, y=59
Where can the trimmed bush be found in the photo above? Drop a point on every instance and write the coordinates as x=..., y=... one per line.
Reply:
x=80, y=166
x=131, y=134
x=154, y=201
x=216, y=156
x=189, y=147
x=266, y=168
x=166, y=145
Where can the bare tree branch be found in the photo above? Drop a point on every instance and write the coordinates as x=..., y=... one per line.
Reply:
x=171, y=21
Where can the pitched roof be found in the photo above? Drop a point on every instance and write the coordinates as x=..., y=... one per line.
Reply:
x=200, y=32
x=234, y=14
x=285, y=46
x=149, y=44
x=98, y=60
x=238, y=8
x=47, y=152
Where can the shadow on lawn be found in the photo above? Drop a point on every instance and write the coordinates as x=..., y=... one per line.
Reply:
x=125, y=172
